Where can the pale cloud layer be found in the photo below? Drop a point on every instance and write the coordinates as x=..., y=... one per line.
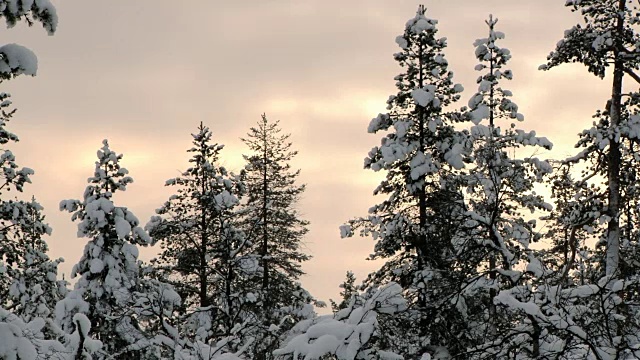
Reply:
x=144, y=73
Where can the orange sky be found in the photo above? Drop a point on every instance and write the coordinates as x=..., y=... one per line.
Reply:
x=144, y=73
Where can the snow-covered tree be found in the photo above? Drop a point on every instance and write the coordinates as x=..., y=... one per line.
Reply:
x=422, y=153
x=108, y=271
x=205, y=255
x=350, y=333
x=35, y=288
x=30, y=11
x=276, y=228
x=454, y=228
x=597, y=292
x=29, y=287
x=27, y=340
x=607, y=38
x=15, y=59
x=501, y=209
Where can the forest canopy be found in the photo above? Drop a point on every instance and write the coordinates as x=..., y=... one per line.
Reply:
x=476, y=262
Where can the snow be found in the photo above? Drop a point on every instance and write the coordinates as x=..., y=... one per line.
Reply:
x=439, y=59
x=84, y=325
x=421, y=164
x=123, y=227
x=506, y=298
x=454, y=156
x=225, y=200
x=422, y=97
x=345, y=231
x=481, y=112
x=346, y=334
x=17, y=59
x=422, y=24
x=96, y=266
x=485, y=86
x=402, y=42
x=475, y=101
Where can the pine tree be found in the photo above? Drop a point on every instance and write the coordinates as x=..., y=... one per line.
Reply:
x=36, y=288
x=414, y=227
x=205, y=255
x=605, y=285
x=608, y=38
x=453, y=226
x=349, y=289
x=108, y=269
x=29, y=284
x=350, y=333
x=499, y=191
x=29, y=287
x=271, y=218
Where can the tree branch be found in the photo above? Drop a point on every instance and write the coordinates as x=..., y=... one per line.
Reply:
x=632, y=74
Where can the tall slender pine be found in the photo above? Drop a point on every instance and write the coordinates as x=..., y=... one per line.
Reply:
x=271, y=218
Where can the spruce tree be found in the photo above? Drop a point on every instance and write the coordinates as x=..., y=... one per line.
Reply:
x=108, y=270
x=36, y=288
x=29, y=286
x=273, y=221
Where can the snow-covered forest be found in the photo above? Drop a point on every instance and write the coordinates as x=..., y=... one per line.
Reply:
x=484, y=248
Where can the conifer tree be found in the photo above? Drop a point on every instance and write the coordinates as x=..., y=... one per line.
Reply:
x=591, y=210
x=349, y=289
x=501, y=205
x=28, y=283
x=277, y=229
x=413, y=228
x=607, y=38
x=36, y=288
x=108, y=269
x=453, y=226
x=205, y=254
x=29, y=287
x=350, y=333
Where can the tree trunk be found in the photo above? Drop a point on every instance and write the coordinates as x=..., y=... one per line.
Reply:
x=80, y=350
x=614, y=156
x=421, y=247
x=265, y=234
x=202, y=271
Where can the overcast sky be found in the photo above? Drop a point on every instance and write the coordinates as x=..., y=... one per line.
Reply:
x=144, y=73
